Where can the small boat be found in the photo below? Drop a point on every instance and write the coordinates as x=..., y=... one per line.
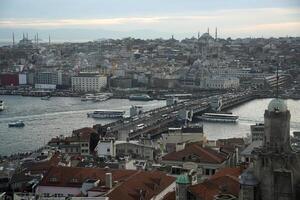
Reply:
x=45, y=98
x=1, y=105
x=88, y=97
x=18, y=123
x=100, y=98
x=106, y=114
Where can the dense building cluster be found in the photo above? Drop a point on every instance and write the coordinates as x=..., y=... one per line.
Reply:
x=201, y=63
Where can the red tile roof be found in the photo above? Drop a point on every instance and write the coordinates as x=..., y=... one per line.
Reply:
x=226, y=179
x=170, y=196
x=66, y=176
x=148, y=184
x=201, y=154
x=86, y=131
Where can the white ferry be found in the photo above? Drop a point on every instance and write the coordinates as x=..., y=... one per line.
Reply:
x=219, y=117
x=95, y=98
x=106, y=114
x=1, y=105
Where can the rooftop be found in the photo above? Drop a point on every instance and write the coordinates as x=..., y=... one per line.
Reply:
x=195, y=152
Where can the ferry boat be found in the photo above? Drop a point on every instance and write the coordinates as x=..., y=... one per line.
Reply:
x=140, y=97
x=88, y=97
x=219, y=117
x=100, y=98
x=95, y=98
x=18, y=123
x=1, y=105
x=106, y=114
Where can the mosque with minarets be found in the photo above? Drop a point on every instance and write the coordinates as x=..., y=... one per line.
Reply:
x=275, y=174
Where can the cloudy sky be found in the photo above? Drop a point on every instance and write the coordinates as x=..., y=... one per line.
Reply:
x=150, y=18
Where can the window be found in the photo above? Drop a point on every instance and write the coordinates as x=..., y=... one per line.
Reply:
x=53, y=179
x=108, y=149
x=74, y=180
x=46, y=195
x=206, y=171
x=213, y=171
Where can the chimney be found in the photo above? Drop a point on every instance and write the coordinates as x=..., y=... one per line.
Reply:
x=108, y=180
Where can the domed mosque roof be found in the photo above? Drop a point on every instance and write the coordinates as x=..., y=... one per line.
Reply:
x=183, y=179
x=206, y=36
x=278, y=105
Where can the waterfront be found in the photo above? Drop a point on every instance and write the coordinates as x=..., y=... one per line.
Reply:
x=61, y=115
x=249, y=113
x=47, y=119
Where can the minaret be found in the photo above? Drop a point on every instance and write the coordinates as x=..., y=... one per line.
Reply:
x=27, y=36
x=49, y=40
x=216, y=34
x=13, y=37
x=37, y=38
x=208, y=30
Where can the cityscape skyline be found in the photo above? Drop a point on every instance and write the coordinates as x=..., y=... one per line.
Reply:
x=116, y=19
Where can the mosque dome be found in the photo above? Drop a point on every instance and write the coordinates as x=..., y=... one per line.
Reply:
x=206, y=36
x=278, y=105
x=183, y=179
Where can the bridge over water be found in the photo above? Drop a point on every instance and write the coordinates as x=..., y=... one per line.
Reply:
x=156, y=121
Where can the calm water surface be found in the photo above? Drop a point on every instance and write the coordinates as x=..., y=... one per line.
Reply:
x=250, y=113
x=47, y=119
x=61, y=115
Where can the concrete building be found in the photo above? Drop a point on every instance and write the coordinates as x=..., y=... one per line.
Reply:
x=81, y=142
x=22, y=79
x=134, y=149
x=221, y=83
x=173, y=140
x=257, y=132
x=88, y=82
x=105, y=148
x=50, y=78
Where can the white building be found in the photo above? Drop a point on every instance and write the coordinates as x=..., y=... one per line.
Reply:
x=87, y=82
x=222, y=83
x=22, y=79
x=105, y=148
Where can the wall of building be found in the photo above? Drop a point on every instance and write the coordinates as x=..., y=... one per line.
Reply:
x=52, y=190
x=88, y=83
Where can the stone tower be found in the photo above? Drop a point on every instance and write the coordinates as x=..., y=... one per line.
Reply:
x=182, y=183
x=276, y=164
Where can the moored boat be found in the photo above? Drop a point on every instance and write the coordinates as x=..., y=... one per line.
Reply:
x=1, y=105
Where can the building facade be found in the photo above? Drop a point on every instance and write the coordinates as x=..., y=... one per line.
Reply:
x=87, y=82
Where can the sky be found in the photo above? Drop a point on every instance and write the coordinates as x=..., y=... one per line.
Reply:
x=93, y=19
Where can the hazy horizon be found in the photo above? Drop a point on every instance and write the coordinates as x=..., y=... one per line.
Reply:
x=94, y=19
